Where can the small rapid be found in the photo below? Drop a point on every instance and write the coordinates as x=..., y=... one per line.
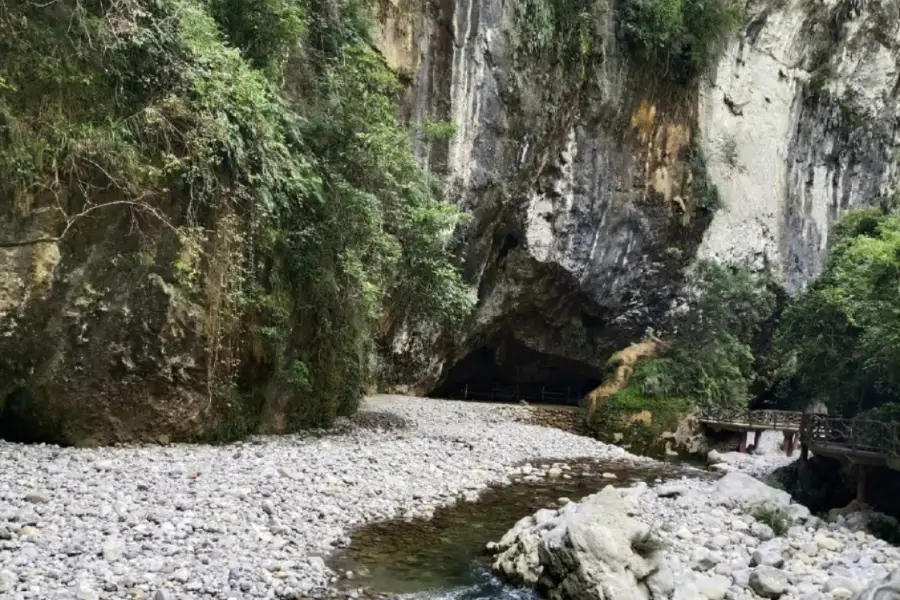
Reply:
x=484, y=586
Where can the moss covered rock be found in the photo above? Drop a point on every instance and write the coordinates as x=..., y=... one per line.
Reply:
x=207, y=207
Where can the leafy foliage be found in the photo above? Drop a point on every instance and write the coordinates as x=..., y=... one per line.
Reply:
x=264, y=30
x=886, y=413
x=774, y=516
x=839, y=340
x=441, y=130
x=683, y=37
x=640, y=418
x=276, y=112
x=568, y=33
x=709, y=360
x=704, y=190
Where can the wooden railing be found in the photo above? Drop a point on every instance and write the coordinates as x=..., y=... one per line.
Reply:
x=856, y=435
x=754, y=419
x=817, y=431
x=532, y=392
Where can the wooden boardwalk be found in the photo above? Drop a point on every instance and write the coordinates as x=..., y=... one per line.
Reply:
x=861, y=440
x=756, y=421
x=864, y=443
x=752, y=420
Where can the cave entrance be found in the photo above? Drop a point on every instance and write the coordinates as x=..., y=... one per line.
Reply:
x=508, y=371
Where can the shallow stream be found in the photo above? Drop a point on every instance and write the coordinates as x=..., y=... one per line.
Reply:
x=443, y=557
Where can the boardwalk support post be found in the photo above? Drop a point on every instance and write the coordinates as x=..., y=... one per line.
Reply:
x=757, y=436
x=861, y=473
x=742, y=446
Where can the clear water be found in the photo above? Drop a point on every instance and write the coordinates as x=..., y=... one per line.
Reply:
x=442, y=558
x=483, y=586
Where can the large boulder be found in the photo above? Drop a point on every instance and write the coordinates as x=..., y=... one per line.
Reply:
x=886, y=588
x=768, y=582
x=107, y=346
x=740, y=489
x=585, y=551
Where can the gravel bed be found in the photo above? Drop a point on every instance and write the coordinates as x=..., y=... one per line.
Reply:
x=251, y=519
x=733, y=538
x=765, y=459
x=718, y=549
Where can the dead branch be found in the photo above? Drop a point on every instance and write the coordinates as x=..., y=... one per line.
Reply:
x=72, y=220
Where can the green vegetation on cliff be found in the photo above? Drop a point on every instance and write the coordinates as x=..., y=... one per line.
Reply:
x=261, y=137
x=707, y=359
x=839, y=340
x=568, y=33
x=680, y=38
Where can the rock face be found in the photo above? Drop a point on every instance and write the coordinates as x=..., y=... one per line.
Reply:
x=584, y=216
x=582, y=213
x=97, y=343
x=800, y=124
x=587, y=551
x=582, y=184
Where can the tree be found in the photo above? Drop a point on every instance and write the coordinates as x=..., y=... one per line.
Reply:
x=839, y=340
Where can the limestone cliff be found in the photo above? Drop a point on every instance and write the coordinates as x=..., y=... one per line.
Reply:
x=802, y=118
x=587, y=176
x=586, y=211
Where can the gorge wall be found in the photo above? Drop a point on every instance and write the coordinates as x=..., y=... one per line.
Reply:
x=590, y=197
x=592, y=181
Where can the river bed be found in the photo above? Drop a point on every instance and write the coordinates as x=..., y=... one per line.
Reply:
x=443, y=557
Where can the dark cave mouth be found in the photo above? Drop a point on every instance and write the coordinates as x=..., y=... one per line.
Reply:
x=509, y=371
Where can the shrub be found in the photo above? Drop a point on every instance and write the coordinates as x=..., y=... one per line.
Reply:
x=730, y=154
x=888, y=413
x=708, y=359
x=681, y=38
x=705, y=192
x=440, y=130
x=774, y=516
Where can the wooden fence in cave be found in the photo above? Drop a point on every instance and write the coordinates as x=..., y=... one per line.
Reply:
x=545, y=394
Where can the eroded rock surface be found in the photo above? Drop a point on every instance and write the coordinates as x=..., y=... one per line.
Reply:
x=583, y=215
x=590, y=550
x=710, y=544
